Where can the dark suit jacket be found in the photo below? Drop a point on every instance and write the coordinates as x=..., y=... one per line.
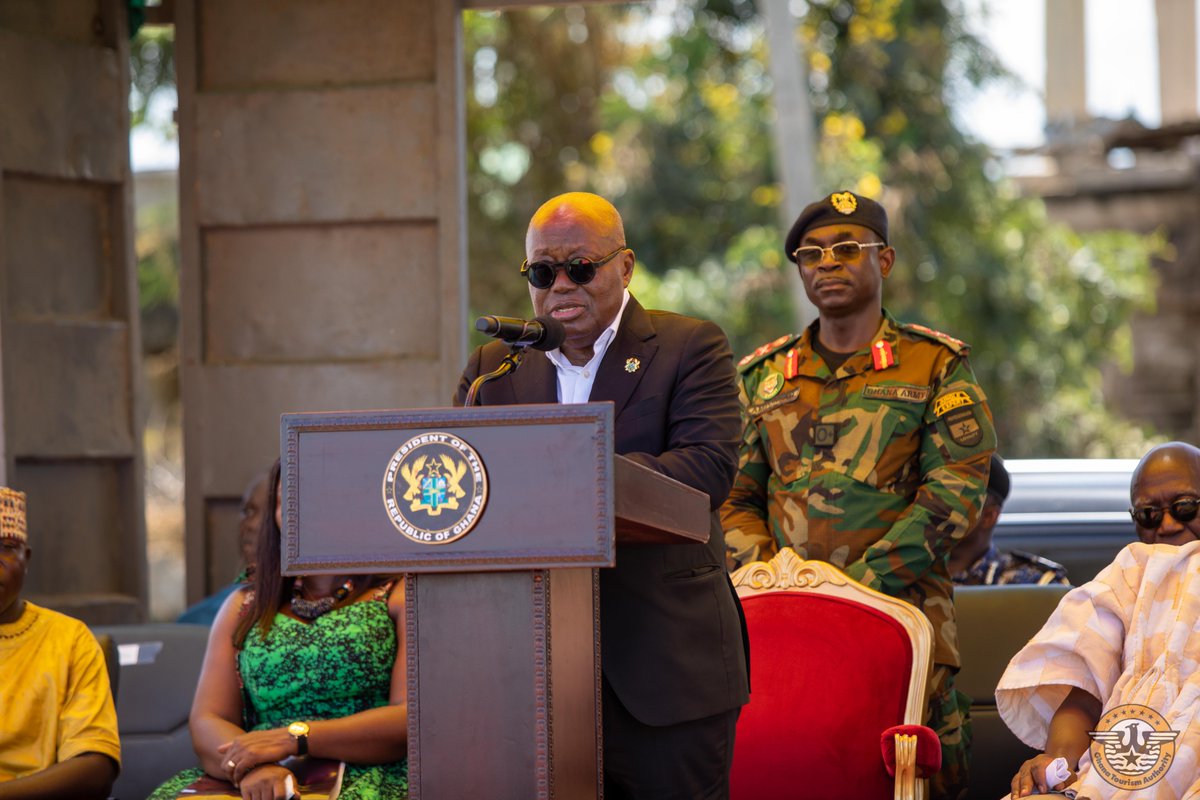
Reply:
x=670, y=624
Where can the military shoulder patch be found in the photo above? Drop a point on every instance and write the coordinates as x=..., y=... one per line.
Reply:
x=964, y=427
x=957, y=345
x=766, y=350
x=950, y=401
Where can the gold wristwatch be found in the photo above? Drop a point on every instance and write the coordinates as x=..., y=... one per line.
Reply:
x=299, y=730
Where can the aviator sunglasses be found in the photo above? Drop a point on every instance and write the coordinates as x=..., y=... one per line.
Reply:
x=1183, y=509
x=541, y=274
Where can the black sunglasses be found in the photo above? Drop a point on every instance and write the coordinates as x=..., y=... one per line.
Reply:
x=541, y=274
x=1183, y=509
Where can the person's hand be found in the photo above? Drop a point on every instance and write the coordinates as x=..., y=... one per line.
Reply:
x=268, y=782
x=1031, y=777
x=250, y=749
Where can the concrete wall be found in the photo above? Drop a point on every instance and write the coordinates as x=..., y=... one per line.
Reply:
x=70, y=433
x=321, y=215
x=1163, y=388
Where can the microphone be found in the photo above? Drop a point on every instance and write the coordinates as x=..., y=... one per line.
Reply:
x=541, y=333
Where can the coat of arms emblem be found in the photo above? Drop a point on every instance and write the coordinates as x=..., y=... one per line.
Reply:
x=435, y=488
x=844, y=202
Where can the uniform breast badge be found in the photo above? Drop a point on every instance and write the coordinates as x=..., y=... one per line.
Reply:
x=770, y=386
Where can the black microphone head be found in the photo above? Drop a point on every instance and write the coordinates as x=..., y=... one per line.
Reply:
x=554, y=334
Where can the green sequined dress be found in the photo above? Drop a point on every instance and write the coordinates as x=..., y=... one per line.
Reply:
x=336, y=665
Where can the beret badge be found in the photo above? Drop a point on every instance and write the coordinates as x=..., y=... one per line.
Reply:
x=844, y=202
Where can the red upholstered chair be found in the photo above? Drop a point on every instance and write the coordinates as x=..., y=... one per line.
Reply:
x=837, y=670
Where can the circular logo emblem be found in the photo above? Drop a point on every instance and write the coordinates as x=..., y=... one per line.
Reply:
x=770, y=386
x=435, y=488
x=1132, y=747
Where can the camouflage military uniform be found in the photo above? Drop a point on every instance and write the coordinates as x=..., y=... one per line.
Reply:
x=994, y=568
x=878, y=468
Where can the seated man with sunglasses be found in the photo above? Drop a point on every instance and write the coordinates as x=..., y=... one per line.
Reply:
x=672, y=653
x=867, y=443
x=1126, y=640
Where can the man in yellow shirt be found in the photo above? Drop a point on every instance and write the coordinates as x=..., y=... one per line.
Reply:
x=58, y=726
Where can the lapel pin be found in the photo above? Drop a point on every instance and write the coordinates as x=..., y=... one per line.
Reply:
x=632, y=364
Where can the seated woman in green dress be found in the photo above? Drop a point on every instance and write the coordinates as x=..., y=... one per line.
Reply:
x=314, y=664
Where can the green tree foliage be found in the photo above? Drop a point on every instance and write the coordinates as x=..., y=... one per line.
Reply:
x=1043, y=306
x=152, y=94
x=151, y=76
x=666, y=109
x=667, y=114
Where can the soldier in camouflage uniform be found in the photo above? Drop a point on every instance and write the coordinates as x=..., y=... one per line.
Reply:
x=866, y=444
x=976, y=561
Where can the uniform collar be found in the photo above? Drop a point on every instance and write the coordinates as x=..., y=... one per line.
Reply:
x=861, y=361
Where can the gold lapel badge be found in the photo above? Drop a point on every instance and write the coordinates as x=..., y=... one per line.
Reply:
x=633, y=364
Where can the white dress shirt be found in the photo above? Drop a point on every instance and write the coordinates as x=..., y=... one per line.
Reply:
x=575, y=383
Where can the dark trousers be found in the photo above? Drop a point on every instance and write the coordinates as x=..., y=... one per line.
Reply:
x=687, y=761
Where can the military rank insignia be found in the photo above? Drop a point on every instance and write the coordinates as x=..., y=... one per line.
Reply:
x=882, y=355
x=763, y=350
x=791, y=366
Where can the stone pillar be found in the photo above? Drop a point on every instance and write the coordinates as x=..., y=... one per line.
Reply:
x=1177, y=59
x=70, y=427
x=322, y=242
x=1066, y=62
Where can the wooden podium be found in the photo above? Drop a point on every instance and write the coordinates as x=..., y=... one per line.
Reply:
x=500, y=517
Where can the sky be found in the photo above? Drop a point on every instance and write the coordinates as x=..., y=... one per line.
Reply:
x=1122, y=66
x=1122, y=74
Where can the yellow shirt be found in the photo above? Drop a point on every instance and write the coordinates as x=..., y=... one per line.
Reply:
x=55, y=701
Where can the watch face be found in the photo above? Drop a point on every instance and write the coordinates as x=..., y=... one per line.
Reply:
x=298, y=729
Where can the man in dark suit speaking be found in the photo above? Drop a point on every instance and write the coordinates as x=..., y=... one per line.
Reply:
x=672, y=654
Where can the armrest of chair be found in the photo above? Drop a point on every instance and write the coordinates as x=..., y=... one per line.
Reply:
x=910, y=752
x=924, y=753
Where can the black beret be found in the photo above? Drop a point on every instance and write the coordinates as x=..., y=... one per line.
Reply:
x=838, y=208
x=998, y=480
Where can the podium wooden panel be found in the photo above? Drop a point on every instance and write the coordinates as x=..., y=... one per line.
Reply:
x=502, y=627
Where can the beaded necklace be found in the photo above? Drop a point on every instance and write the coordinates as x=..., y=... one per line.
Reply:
x=311, y=609
x=28, y=612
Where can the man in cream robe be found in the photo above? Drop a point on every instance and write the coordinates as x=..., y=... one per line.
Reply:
x=1129, y=637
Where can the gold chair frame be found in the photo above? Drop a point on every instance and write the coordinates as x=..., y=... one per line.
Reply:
x=787, y=572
